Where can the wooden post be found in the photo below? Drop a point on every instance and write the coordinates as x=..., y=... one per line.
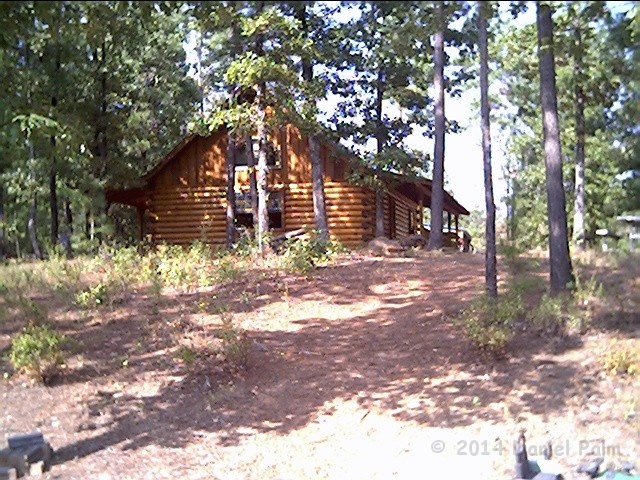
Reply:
x=457, y=216
x=420, y=217
x=449, y=221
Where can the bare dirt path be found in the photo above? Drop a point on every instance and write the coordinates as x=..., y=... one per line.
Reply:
x=354, y=373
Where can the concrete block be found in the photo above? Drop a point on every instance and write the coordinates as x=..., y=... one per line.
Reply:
x=28, y=439
x=14, y=459
x=4, y=455
x=8, y=473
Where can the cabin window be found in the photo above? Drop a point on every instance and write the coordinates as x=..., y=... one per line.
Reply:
x=242, y=153
x=244, y=214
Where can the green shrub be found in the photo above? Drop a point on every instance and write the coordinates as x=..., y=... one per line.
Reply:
x=621, y=361
x=179, y=267
x=92, y=297
x=304, y=254
x=125, y=264
x=523, y=284
x=585, y=292
x=558, y=316
x=226, y=269
x=37, y=351
x=489, y=323
x=171, y=265
x=246, y=243
x=186, y=355
x=35, y=313
x=234, y=348
x=64, y=275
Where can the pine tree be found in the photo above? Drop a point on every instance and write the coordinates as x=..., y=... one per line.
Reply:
x=491, y=283
x=437, y=190
x=560, y=263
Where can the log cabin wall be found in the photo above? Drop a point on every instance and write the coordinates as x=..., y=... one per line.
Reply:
x=188, y=195
x=350, y=211
x=185, y=214
x=405, y=215
x=400, y=215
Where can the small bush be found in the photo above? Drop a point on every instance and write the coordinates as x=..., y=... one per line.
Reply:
x=35, y=313
x=234, y=347
x=526, y=284
x=186, y=355
x=188, y=268
x=548, y=315
x=621, y=361
x=489, y=323
x=586, y=292
x=93, y=296
x=303, y=255
x=558, y=316
x=63, y=275
x=226, y=269
x=246, y=244
x=125, y=265
x=37, y=351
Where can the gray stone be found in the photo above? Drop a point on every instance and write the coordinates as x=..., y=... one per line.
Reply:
x=411, y=241
x=384, y=246
x=18, y=441
x=8, y=473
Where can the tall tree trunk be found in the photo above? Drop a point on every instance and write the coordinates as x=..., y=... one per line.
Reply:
x=103, y=112
x=33, y=208
x=380, y=144
x=32, y=228
x=579, y=100
x=560, y=263
x=53, y=204
x=253, y=187
x=231, y=192
x=437, y=189
x=103, y=146
x=68, y=216
x=317, y=178
x=199, y=47
x=53, y=174
x=87, y=224
x=2, y=225
x=65, y=236
x=317, y=172
x=232, y=140
x=490, y=275
x=262, y=167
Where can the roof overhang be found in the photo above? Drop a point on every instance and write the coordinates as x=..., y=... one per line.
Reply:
x=136, y=197
x=419, y=190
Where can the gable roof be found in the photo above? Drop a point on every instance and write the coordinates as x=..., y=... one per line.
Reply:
x=177, y=148
x=416, y=188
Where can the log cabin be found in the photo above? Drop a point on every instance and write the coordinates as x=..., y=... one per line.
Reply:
x=183, y=198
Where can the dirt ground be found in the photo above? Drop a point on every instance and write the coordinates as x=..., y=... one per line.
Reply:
x=356, y=372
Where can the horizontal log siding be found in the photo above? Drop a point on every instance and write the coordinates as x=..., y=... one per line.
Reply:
x=350, y=211
x=183, y=215
x=403, y=207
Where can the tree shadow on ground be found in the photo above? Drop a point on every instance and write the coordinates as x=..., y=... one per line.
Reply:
x=387, y=342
